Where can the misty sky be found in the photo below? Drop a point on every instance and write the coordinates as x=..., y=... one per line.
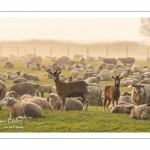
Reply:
x=78, y=29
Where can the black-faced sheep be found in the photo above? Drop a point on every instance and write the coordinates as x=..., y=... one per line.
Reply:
x=71, y=103
x=140, y=94
x=42, y=102
x=30, y=76
x=22, y=109
x=44, y=88
x=141, y=112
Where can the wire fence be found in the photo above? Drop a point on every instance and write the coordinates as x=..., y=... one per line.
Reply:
x=70, y=51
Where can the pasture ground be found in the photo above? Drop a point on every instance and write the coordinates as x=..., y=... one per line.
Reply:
x=93, y=120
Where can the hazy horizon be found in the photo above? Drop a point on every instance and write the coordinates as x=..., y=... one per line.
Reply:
x=71, y=29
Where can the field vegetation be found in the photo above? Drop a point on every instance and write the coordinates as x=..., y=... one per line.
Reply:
x=93, y=120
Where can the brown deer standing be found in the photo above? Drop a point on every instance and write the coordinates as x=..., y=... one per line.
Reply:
x=73, y=89
x=112, y=93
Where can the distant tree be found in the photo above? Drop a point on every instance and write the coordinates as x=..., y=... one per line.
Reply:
x=145, y=27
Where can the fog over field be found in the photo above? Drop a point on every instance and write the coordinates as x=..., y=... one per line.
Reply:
x=54, y=37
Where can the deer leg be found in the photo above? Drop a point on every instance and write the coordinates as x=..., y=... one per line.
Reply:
x=63, y=104
x=105, y=100
x=108, y=105
x=85, y=103
x=113, y=102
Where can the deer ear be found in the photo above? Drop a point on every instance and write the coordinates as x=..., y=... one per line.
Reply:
x=59, y=72
x=49, y=71
x=113, y=77
x=121, y=77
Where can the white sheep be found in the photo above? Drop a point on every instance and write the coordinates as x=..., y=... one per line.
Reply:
x=42, y=102
x=141, y=112
x=22, y=109
x=135, y=68
x=44, y=88
x=70, y=104
x=122, y=107
x=95, y=95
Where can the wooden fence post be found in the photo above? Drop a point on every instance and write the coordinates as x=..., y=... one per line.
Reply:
x=127, y=51
x=87, y=51
x=18, y=52
x=107, y=52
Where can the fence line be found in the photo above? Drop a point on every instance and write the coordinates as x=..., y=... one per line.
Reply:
x=107, y=52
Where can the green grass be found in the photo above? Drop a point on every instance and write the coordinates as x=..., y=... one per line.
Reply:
x=93, y=120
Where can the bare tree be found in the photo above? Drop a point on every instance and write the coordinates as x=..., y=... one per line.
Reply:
x=145, y=27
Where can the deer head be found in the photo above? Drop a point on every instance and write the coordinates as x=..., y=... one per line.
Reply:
x=55, y=74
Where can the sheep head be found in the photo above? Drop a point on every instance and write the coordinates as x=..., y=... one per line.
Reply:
x=5, y=101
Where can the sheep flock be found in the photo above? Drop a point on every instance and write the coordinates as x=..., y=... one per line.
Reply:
x=68, y=85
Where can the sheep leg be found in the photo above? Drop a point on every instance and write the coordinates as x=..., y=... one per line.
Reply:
x=42, y=94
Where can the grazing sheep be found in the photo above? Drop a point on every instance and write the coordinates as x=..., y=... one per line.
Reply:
x=30, y=76
x=42, y=102
x=141, y=112
x=19, y=80
x=8, y=65
x=110, y=60
x=71, y=103
x=140, y=94
x=3, y=89
x=112, y=93
x=23, y=88
x=73, y=89
x=127, y=60
x=25, y=110
x=62, y=60
x=44, y=88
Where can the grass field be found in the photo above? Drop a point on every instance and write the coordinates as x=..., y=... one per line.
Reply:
x=93, y=120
